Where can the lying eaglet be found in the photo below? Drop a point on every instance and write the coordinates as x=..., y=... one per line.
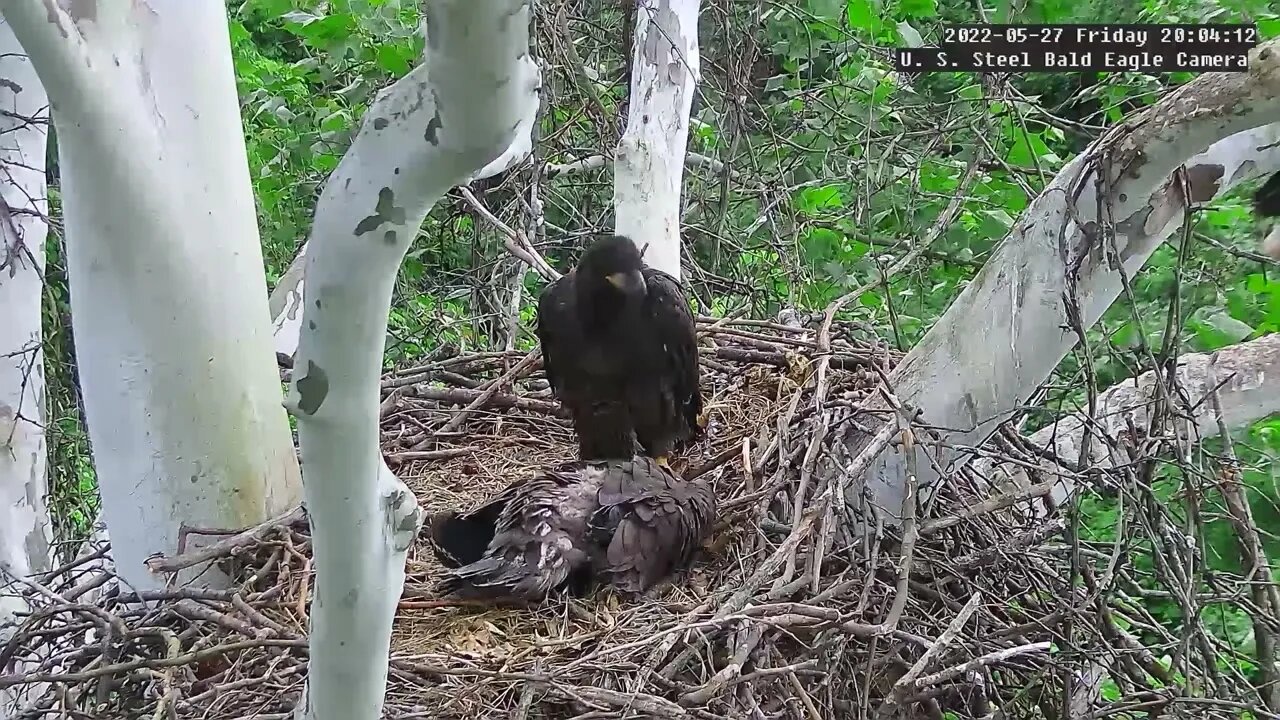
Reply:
x=628, y=523
x=619, y=347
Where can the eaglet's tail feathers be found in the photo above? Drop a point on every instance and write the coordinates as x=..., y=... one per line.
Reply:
x=530, y=575
x=458, y=540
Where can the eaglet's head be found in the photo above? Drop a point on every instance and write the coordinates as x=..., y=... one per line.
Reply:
x=614, y=259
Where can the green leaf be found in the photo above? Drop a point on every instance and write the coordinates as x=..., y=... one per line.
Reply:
x=299, y=17
x=862, y=14
x=1126, y=336
x=1230, y=327
x=1026, y=147
x=1257, y=283
x=1214, y=328
x=919, y=8
x=994, y=223
x=910, y=36
x=819, y=245
x=828, y=10
x=324, y=32
x=835, y=271
x=810, y=200
x=396, y=59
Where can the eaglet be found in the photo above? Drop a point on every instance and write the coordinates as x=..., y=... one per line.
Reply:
x=619, y=348
x=628, y=523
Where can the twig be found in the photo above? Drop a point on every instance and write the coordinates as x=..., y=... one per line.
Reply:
x=488, y=392
x=222, y=548
x=907, y=681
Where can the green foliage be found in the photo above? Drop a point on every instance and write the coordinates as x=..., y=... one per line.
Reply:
x=73, y=484
x=306, y=72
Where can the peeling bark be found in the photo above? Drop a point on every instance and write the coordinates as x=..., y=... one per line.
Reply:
x=438, y=126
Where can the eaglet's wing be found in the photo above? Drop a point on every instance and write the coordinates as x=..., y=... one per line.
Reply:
x=458, y=539
x=555, y=314
x=540, y=540
x=649, y=522
x=674, y=322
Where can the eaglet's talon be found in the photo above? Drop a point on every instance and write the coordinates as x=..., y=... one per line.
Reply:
x=664, y=461
x=716, y=544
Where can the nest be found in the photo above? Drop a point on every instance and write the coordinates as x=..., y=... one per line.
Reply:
x=790, y=614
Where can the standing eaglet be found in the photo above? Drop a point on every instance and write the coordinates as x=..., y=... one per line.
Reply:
x=619, y=347
x=628, y=523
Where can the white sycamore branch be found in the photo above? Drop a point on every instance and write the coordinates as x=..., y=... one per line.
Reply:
x=1246, y=377
x=1009, y=329
x=448, y=119
x=649, y=163
x=25, y=532
x=286, y=298
x=24, y=208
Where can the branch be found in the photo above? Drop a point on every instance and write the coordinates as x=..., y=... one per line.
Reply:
x=649, y=164
x=440, y=125
x=1242, y=376
x=1010, y=328
x=596, y=162
x=286, y=298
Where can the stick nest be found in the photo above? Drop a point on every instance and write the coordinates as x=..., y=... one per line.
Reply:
x=800, y=610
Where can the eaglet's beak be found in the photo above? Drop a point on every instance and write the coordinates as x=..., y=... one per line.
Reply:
x=628, y=282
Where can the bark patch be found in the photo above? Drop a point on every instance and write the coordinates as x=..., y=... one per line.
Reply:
x=1204, y=181
x=83, y=10
x=55, y=18
x=432, y=133
x=385, y=212
x=312, y=389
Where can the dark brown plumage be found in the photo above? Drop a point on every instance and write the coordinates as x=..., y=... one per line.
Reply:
x=619, y=347
x=1266, y=205
x=629, y=523
x=1266, y=201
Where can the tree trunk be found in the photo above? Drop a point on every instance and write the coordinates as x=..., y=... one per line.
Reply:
x=1018, y=318
x=169, y=307
x=649, y=164
x=434, y=129
x=24, y=520
x=25, y=530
